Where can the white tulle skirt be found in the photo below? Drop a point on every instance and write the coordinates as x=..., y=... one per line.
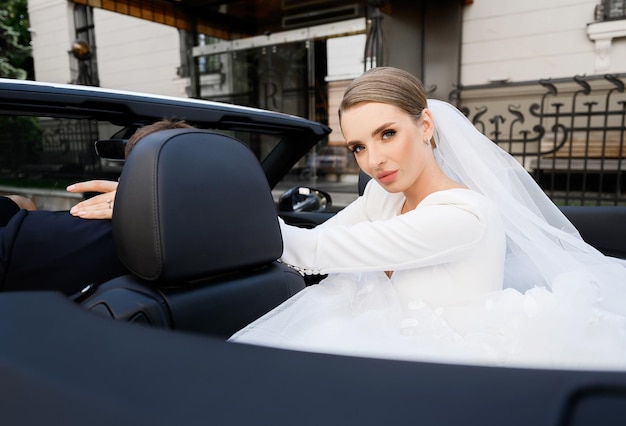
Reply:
x=360, y=314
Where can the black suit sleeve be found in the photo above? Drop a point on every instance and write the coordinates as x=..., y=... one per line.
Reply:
x=43, y=250
x=8, y=209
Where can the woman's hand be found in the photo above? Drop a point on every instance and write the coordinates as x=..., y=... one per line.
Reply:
x=99, y=206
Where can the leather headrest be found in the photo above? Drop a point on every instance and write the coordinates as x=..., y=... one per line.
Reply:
x=191, y=204
x=364, y=178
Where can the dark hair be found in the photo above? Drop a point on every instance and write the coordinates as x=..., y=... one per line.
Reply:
x=148, y=129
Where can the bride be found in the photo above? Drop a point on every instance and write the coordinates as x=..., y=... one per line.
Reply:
x=452, y=254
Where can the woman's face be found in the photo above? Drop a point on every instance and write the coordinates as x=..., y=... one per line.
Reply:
x=389, y=144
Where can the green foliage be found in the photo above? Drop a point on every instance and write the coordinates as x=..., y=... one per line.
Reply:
x=15, y=49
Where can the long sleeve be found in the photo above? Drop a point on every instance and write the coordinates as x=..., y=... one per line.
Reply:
x=44, y=250
x=8, y=208
x=441, y=229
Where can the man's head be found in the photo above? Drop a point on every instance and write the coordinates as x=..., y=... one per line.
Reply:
x=148, y=129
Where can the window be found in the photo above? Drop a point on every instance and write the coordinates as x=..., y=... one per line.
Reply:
x=609, y=10
x=83, y=52
x=211, y=63
x=49, y=153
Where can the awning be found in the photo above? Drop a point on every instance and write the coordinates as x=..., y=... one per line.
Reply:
x=174, y=14
x=233, y=19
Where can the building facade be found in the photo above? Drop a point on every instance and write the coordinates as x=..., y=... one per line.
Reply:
x=496, y=60
x=499, y=42
x=132, y=53
x=505, y=41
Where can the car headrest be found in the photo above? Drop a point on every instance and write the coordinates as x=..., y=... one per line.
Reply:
x=364, y=178
x=191, y=204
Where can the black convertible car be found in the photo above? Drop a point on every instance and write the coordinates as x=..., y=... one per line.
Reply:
x=195, y=222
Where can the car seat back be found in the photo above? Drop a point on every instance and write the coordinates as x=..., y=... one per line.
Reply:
x=195, y=222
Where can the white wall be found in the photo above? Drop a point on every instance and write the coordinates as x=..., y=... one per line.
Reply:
x=51, y=38
x=137, y=55
x=345, y=62
x=133, y=54
x=345, y=57
x=532, y=39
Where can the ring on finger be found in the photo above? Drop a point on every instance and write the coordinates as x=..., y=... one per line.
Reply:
x=109, y=204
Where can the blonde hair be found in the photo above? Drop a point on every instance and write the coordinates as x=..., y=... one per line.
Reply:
x=387, y=85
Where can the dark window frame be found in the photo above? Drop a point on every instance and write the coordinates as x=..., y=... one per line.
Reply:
x=610, y=10
x=85, y=71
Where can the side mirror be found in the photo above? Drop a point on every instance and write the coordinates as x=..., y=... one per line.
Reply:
x=304, y=199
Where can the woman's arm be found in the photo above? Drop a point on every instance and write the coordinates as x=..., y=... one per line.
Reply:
x=428, y=235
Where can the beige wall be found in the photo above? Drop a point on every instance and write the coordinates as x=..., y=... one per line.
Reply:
x=345, y=62
x=137, y=55
x=51, y=36
x=336, y=90
x=133, y=54
x=532, y=39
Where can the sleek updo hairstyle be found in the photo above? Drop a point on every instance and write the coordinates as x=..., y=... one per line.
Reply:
x=386, y=85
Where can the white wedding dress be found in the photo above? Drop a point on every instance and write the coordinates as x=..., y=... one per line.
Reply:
x=487, y=276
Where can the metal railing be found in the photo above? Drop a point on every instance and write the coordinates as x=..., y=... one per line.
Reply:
x=45, y=149
x=572, y=140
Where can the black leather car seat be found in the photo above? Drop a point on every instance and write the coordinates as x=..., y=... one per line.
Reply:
x=364, y=178
x=195, y=222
